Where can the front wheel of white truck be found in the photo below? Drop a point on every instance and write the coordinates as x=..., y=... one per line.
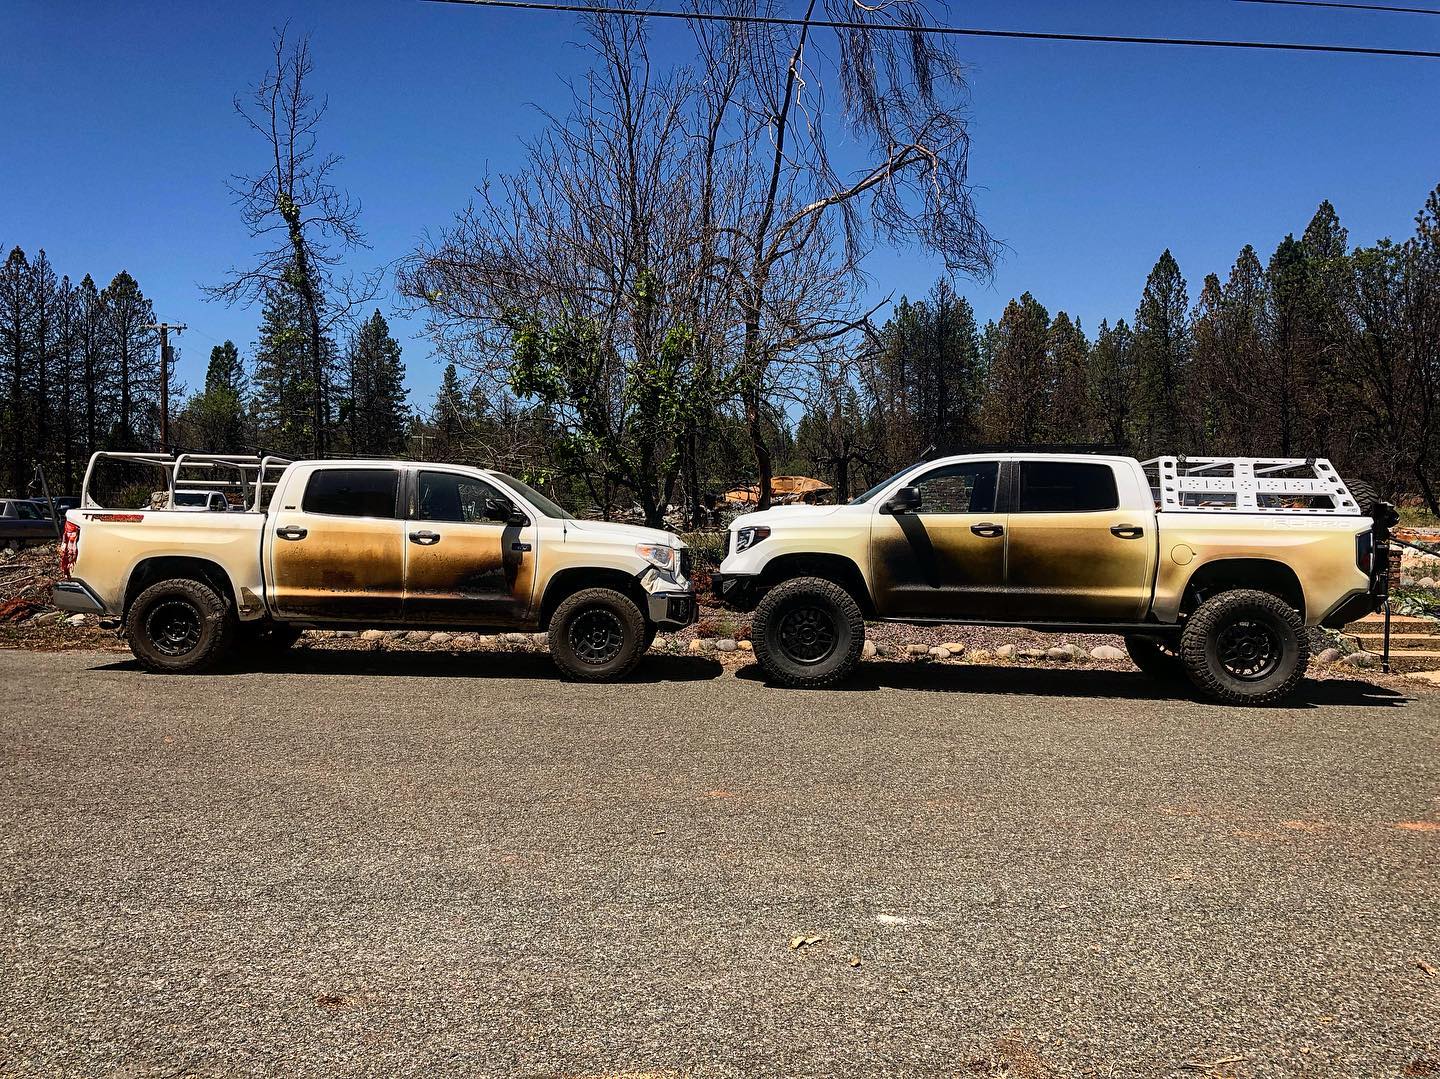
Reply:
x=597, y=635
x=808, y=633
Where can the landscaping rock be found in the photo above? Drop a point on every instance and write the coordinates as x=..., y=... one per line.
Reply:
x=1107, y=652
x=1061, y=655
x=1030, y=653
x=75, y=620
x=540, y=640
x=486, y=640
x=1427, y=582
x=418, y=636
x=515, y=638
x=867, y=650
x=884, y=649
x=1005, y=651
x=917, y=649
x=393, y=634
x=374, y=635
x=702, y=644
x=955, y=648
x=441, y=638
x=727, y=644
x=347, y=633
x=1362, y=659
x=979, y=655
x=746, y=646
x=939, y=652
x=1329, y=655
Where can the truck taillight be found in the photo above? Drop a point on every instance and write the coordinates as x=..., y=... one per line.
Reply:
x=69, y=547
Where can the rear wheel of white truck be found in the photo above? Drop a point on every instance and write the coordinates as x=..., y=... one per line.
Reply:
x=597, y=635
x=808, y=633
x=179, y=626
x=1245, y=647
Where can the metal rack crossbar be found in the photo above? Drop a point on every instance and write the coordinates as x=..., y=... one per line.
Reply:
x=1249, y=485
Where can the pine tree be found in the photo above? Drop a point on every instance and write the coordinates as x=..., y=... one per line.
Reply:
x=1112, y=383
x=282, y=400
x=377, y=409
x=15, y=354
x=215, y=418
x=448, y=415
x=68, y=370
x=133, y=345
x=1018, y=392
x=1069, y=418
x=1162, y=361
x=43, y=289
x=96, y=367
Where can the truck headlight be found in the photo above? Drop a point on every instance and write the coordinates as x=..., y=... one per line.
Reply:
x=748, y=537
x=658, y=555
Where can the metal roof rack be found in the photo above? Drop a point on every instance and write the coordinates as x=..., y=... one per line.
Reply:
x=1249, y=485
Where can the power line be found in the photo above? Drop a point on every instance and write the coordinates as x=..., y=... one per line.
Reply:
x=1348, y=7
x=957, y=31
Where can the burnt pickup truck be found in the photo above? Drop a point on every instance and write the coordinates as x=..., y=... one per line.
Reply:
x=365, y=544
x=1211, y=568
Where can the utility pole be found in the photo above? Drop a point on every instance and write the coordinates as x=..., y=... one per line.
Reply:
x=165, y=361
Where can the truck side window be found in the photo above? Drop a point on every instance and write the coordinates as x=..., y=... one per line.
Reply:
x=1067, y=487
x=352, y=492
x=968, y=487
x=448, y=496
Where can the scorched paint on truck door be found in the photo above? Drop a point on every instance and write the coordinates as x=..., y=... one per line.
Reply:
x=471, y=560
x=340, y=554
x=947, y=557
x=1074, y=554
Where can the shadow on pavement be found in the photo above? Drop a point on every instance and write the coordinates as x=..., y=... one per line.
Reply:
x=1078, y=682
x=653, y=668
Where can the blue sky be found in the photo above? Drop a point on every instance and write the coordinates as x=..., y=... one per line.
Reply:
x=119, y=135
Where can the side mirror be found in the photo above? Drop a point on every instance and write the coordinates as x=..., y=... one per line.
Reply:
x=905, y=500
x=499, y=509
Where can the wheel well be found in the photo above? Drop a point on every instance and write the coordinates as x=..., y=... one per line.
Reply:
x=569, y=581
x=172, y=567
x=830, y=567
x=1261, y=574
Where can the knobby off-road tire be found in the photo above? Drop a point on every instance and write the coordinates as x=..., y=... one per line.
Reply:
x=597, y=635
x=1364, y=494
x=1245, y=647
x=179, y=626
x=1155, y=658
x=808, y=633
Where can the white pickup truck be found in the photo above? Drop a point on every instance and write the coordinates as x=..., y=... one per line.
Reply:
x=1211, y=568
x=362, y=544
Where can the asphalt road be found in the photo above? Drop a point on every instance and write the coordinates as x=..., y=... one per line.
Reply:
x=391, y=864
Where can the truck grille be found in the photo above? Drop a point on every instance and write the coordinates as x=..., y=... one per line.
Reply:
x=685, y=560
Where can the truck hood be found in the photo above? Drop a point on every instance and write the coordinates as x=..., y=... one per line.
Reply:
x=620, y=533
x=780, y=516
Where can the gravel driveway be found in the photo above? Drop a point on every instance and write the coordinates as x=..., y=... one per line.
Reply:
x=405, y=864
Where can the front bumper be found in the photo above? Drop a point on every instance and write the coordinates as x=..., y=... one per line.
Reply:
x=735, y=589
x=76, y=596
x=674, y=609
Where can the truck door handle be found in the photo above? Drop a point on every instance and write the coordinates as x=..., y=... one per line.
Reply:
x=292, y=532
x=985, y=528
x=425, y=539
x=1127, y=531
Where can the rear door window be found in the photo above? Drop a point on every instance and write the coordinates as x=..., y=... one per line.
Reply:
x=1067, y=487
x=352, y=492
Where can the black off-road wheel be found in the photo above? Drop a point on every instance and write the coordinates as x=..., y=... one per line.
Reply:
x=1157, y=658
x=1245, y=647
x=597, y=635
x=808, y=633
x=179, y=627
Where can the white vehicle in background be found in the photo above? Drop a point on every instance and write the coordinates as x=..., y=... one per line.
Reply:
x=200, y=501
x=362, y=544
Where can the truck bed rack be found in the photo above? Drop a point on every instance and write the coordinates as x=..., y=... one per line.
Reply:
x=248, y=472
x=1307, y=485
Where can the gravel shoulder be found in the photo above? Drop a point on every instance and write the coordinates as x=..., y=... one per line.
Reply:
x=416, y=863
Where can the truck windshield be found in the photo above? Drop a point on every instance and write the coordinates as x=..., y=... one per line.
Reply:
x=860, y=500
x=536, y=499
